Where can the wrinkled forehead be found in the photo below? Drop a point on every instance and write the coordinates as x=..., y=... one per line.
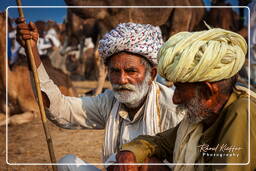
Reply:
x=186, y=85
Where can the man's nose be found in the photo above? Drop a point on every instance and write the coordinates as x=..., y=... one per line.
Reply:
x=123, y=79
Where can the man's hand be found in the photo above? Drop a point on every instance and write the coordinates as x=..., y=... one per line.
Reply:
x=124, y=157
x=28, y=32
x=129, y=157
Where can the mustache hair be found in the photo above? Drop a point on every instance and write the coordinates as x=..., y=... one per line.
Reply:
x=130, y=87
x=194, y=111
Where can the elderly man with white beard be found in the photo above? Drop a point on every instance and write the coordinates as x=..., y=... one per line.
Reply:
x=218, y=132
x=136, y=105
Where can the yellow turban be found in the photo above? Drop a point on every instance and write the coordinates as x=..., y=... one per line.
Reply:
x=210, y=55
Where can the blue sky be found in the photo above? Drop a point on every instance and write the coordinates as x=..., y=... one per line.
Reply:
x=57, y=14
x=39, y=13
x=33, y=14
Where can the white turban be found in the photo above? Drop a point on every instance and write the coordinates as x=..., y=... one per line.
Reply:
x=142, y=39
x=211, y=55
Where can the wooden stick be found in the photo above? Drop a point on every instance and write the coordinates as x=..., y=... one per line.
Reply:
x=29, y=53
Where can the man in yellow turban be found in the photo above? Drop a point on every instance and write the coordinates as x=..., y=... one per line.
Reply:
x=218, y=132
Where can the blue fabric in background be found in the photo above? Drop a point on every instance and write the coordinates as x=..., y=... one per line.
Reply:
x=9, y=49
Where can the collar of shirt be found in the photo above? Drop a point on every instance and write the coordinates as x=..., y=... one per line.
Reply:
x=123, y=113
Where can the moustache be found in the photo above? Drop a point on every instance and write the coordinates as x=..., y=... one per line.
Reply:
x=129, y=87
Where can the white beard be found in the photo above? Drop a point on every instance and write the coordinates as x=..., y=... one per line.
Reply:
x=193, y=110
x=134, y=95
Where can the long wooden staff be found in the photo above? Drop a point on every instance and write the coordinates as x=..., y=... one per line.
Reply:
x=29, y=53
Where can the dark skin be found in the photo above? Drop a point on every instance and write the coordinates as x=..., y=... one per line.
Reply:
x=128, y=157
x=30, y=32
x=123, y=67
x=211, y=97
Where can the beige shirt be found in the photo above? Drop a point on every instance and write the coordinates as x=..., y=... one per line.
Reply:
x=95, y=112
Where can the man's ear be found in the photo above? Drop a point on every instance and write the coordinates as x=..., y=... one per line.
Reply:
x=207, y=89
x=153, y=73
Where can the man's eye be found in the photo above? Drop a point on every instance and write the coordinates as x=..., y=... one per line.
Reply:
x=130, y=70
x=114, y=70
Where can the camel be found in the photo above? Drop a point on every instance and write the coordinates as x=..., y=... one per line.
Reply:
x=22, y=106
x=74, y=65
x=77, y=31
x=170, y=20
x=224, y=18
x=179, y=18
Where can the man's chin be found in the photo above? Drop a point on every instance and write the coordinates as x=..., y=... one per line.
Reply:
x=123, y=97
x=131, y=99
x=122, y=91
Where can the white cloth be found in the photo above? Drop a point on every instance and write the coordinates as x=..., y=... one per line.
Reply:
x=150, y=124
x=95, y=112
x=80, y=164
x=16, y=46
x=143, y=39
x=52, y=35
x=185, y=149
x=15, y=49
x=88, y=44
x=43, y=46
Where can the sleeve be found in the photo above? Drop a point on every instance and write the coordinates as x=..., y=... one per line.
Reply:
x=233, y=140
x=161, y=145
x=73, y=112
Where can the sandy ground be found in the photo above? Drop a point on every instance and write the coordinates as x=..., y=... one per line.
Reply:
x=26, y=144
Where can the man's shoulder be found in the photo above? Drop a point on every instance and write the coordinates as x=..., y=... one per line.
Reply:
x=243, y=103
x=104, y=98
x=108, y=93
x=242, y=108
x=240, y=103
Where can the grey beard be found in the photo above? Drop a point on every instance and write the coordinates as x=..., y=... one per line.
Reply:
x=135, y=94
x=194, y=111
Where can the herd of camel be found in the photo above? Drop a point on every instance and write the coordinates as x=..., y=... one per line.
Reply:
x=95, y=22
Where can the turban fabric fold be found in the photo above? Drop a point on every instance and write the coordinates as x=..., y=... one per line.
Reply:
x=142, y=39
x=211, y=55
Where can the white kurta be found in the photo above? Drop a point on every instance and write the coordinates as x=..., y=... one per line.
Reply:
x=104, y=111
x=52, y=35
